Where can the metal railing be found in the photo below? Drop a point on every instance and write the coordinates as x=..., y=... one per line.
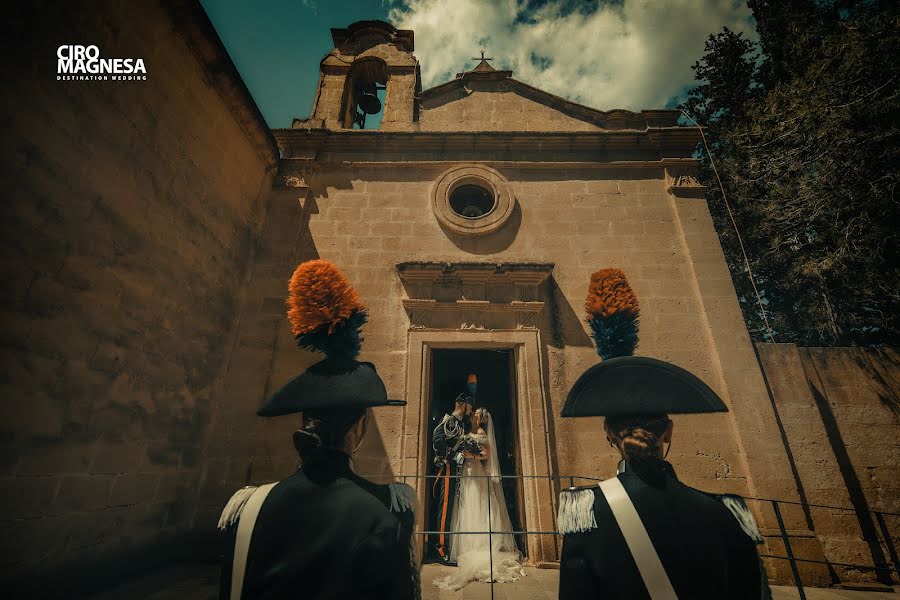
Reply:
x=886, y=538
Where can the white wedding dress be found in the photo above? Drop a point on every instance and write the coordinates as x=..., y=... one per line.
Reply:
x=470, y=513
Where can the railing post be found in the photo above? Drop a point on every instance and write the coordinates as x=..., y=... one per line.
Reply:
x=788, y=550
x=888, y=541
x=490, y=538
x=556, y=546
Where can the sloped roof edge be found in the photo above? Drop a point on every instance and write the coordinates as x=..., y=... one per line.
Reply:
x=655, y=117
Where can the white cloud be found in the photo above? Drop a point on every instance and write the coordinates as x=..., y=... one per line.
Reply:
x=632, y=54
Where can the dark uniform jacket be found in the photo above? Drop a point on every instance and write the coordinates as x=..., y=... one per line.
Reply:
x=325, y=533
x=702, y=544
x=444, y=488
x=441, y=443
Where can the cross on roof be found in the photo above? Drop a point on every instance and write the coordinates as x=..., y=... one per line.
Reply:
x=483, y=59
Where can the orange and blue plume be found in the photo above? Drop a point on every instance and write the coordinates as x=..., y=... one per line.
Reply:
x=612, y=313
x=324, y=310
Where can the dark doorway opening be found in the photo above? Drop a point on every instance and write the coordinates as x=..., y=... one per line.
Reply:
x=496, y=392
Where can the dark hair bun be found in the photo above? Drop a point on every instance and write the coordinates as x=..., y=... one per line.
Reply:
x=325, y=429
x=640, y=436
x=305, y=440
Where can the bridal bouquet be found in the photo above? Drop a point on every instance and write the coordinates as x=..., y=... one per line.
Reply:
x=466, y=446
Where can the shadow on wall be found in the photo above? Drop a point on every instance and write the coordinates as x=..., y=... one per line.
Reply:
x=496, y=242
x=560, y=324
x=342, y=178
x=879, y=371
x=852, y=482
x=371, y=460
x=439, y=100
x=244, y=449
x=551, y=365
x=319, y=183
x=560, y=327
x=306, y=245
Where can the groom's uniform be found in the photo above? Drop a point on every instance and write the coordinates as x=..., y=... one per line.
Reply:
x=444, y=437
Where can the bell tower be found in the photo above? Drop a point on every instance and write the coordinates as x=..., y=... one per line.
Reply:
x=368, y=81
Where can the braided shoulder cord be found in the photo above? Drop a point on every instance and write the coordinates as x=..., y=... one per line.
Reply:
x=451, y=426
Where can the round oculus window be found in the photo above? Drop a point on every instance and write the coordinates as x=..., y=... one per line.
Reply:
x=472, y=201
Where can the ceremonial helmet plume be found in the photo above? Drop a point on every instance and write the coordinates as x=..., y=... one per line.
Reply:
x=326, y=314
x=613, y=310
x=625, y=385
x=324, y=310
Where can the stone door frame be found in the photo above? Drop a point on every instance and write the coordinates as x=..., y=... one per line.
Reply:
x=539, y=491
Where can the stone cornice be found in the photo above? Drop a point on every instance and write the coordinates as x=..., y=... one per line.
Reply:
x=482, y=271
x=305, y=165
x=683, y=180
x=654, y=142
x=473, y=295
x=404, y=39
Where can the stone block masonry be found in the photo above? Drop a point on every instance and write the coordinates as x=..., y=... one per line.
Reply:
x=841, y=419
x=128, y=229
x=592, y=189
x=146, y=255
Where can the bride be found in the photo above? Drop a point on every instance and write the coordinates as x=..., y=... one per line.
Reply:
x=470, y=513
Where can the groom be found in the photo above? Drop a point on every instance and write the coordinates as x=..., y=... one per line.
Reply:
x=445, y=438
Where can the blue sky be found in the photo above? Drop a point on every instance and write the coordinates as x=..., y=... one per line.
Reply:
x=276, y=46
x=630, y=54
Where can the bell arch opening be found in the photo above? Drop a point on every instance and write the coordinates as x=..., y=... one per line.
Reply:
x=364, y=94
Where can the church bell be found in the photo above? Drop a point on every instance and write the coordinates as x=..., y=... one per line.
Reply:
x=368, y=101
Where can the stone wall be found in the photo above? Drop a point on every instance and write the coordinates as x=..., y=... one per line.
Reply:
x=367, y=219
x=128, y=228
x=840, y=415
x=146, y=261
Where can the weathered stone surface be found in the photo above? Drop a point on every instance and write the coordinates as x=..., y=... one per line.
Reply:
x=370, y=210
x=676, y=321
x=835, y=404
x=148, y=257
x=133, y=489
x=128, y=236
x=82, y=492
x=27, y=497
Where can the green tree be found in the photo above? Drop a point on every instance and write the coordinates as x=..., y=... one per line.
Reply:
x=803, y=128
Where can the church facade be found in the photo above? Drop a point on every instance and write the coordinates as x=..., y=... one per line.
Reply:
x=470, y=220
x=152, y=229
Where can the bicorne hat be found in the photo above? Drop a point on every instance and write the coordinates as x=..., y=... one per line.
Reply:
x=326, y=315
x=623, y=385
